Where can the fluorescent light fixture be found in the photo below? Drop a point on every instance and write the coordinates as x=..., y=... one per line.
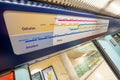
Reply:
x=80, y=60
x=35, y=70
x=98, y=76
x=99, y=4
x=114, y=7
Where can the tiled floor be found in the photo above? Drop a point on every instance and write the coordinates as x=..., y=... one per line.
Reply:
x=103, y=72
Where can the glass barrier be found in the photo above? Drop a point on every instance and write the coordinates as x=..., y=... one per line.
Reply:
x=83, y=62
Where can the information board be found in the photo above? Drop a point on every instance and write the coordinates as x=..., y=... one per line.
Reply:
x=30, y=31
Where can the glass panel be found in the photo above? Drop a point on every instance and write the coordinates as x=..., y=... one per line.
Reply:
x=22, y=73
x=82, y=62
x=36, y=76
x=78, y=71
x=111, y=47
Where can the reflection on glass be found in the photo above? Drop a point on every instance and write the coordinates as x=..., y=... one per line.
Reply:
x=89, y=64
x=89, y=58
x=36, y=76
x=82, y=62
x=117, y=38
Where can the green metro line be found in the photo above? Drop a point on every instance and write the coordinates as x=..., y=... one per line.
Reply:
x=83, y=25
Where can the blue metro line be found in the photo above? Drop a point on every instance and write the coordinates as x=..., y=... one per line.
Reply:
x=60, y=35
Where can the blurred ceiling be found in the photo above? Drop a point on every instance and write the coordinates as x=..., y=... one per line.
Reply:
x=104, y=7
x=109, y=8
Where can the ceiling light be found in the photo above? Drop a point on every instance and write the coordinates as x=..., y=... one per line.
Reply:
x=35, y=70
x=114, y=7
x=100, y=4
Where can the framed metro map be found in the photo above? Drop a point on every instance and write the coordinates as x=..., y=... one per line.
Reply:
x=34, y=31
